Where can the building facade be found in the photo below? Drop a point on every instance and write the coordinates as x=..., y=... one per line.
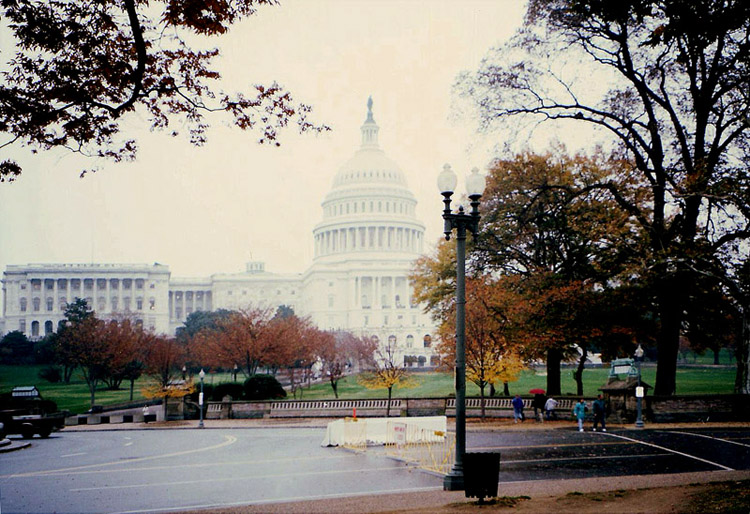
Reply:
x=364, y=249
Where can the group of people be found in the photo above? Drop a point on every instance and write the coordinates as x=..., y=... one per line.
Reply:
x=600, y=413
x=546, y=408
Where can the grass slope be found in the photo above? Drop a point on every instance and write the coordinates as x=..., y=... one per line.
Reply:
x=75, y=396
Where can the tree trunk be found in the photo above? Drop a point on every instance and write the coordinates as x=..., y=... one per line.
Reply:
x=492, y=390
x=132, y=384
x=742, y=353
x=668, y=342
x=92, y=390
x=335, y=387
x=481, y=396
x=716, y=356
x=578, y=373
x=388, y=406
x=554, y=358
x=506, y=389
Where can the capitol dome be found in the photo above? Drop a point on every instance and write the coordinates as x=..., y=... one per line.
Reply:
x=369, y=207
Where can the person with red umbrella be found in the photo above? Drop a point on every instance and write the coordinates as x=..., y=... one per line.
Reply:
x=538, y=404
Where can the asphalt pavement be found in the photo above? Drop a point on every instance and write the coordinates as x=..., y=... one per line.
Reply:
x=279, y=466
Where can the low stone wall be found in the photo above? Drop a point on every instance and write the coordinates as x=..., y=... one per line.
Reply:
x=729, y=407
x=659, y=409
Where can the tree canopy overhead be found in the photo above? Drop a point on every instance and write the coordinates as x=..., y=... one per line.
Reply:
x=674, y=80
x=79, y=67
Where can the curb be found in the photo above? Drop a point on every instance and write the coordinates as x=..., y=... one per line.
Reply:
x=7, y=445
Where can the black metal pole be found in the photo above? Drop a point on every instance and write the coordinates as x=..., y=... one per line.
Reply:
x=454, y=481
x=638, y=399
x=200, y=406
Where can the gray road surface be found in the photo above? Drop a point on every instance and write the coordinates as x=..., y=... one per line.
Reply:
x=162, y=470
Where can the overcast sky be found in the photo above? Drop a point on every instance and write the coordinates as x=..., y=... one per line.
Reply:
x=211, y=209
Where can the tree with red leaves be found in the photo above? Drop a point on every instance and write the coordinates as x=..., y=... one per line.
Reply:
x=80, y=68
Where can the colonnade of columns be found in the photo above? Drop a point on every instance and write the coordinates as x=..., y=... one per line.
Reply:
x=184, y=302
x=367, y=239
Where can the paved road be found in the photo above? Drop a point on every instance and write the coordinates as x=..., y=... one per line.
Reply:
x=159, y=470
x=565, y=454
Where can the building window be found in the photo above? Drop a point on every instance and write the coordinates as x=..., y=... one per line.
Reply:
x=47, y=327
x=23, y=287
x=23, y=304
x=126, y=303
x=367, y=320
x=49, y=284
x=330, y=300
x=385, y=319
x=62, y=284
x=114, y=303
x=152, y=303
x=36, y=285
x=50, y=304
x=101, y=284
x=427, y=341
x=139, y=304
x=392, y=341
x=114, y=284
x=75, y=283
x=63, y=303
x=178, y=313
x=88, y=284
x=102, y=304
x=139, y=282
x=409, y=341
x=22, y=326
x=34, y=329
x=127, y=283
x=36, y=302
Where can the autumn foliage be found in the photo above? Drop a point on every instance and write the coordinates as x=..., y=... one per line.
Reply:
x=79, y=70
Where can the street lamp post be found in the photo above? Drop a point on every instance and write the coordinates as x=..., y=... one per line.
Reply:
x=639, y=388
x=462, y=222
x=202, y=374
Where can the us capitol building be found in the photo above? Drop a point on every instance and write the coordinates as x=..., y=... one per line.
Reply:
x=365, y=247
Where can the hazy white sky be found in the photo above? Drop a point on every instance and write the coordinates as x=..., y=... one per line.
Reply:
x=211, y=209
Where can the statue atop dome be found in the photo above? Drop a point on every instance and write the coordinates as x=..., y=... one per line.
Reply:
x=369, y=109
x=369, y=128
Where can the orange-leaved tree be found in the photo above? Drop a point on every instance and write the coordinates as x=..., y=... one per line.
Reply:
x=385, y=373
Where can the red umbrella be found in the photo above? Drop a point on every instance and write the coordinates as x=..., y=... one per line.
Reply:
x=536, y=391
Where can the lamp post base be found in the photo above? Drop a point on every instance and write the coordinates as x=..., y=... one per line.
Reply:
x=453, y=481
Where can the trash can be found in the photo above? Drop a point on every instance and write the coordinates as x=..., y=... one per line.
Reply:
x=481, y=474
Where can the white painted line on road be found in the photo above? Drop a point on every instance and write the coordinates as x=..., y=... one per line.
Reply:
x=129, y=444
x=71, y=471
x=235, y=478
x=709, y=437
x=228, y=439
x=72, y=455
x=597, y=457
x=285, y=500
x=669, y=450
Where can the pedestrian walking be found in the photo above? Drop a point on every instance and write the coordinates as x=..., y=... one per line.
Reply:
x=145, y=413
x=600, y=412
x=549, y=408
x=579, y=411
x=517, y=408
x=538, y=404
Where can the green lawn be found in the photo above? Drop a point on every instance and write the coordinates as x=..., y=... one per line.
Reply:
x=75, y=396
x=689, y=381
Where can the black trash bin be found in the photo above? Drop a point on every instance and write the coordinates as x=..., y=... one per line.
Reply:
x=481, y=474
